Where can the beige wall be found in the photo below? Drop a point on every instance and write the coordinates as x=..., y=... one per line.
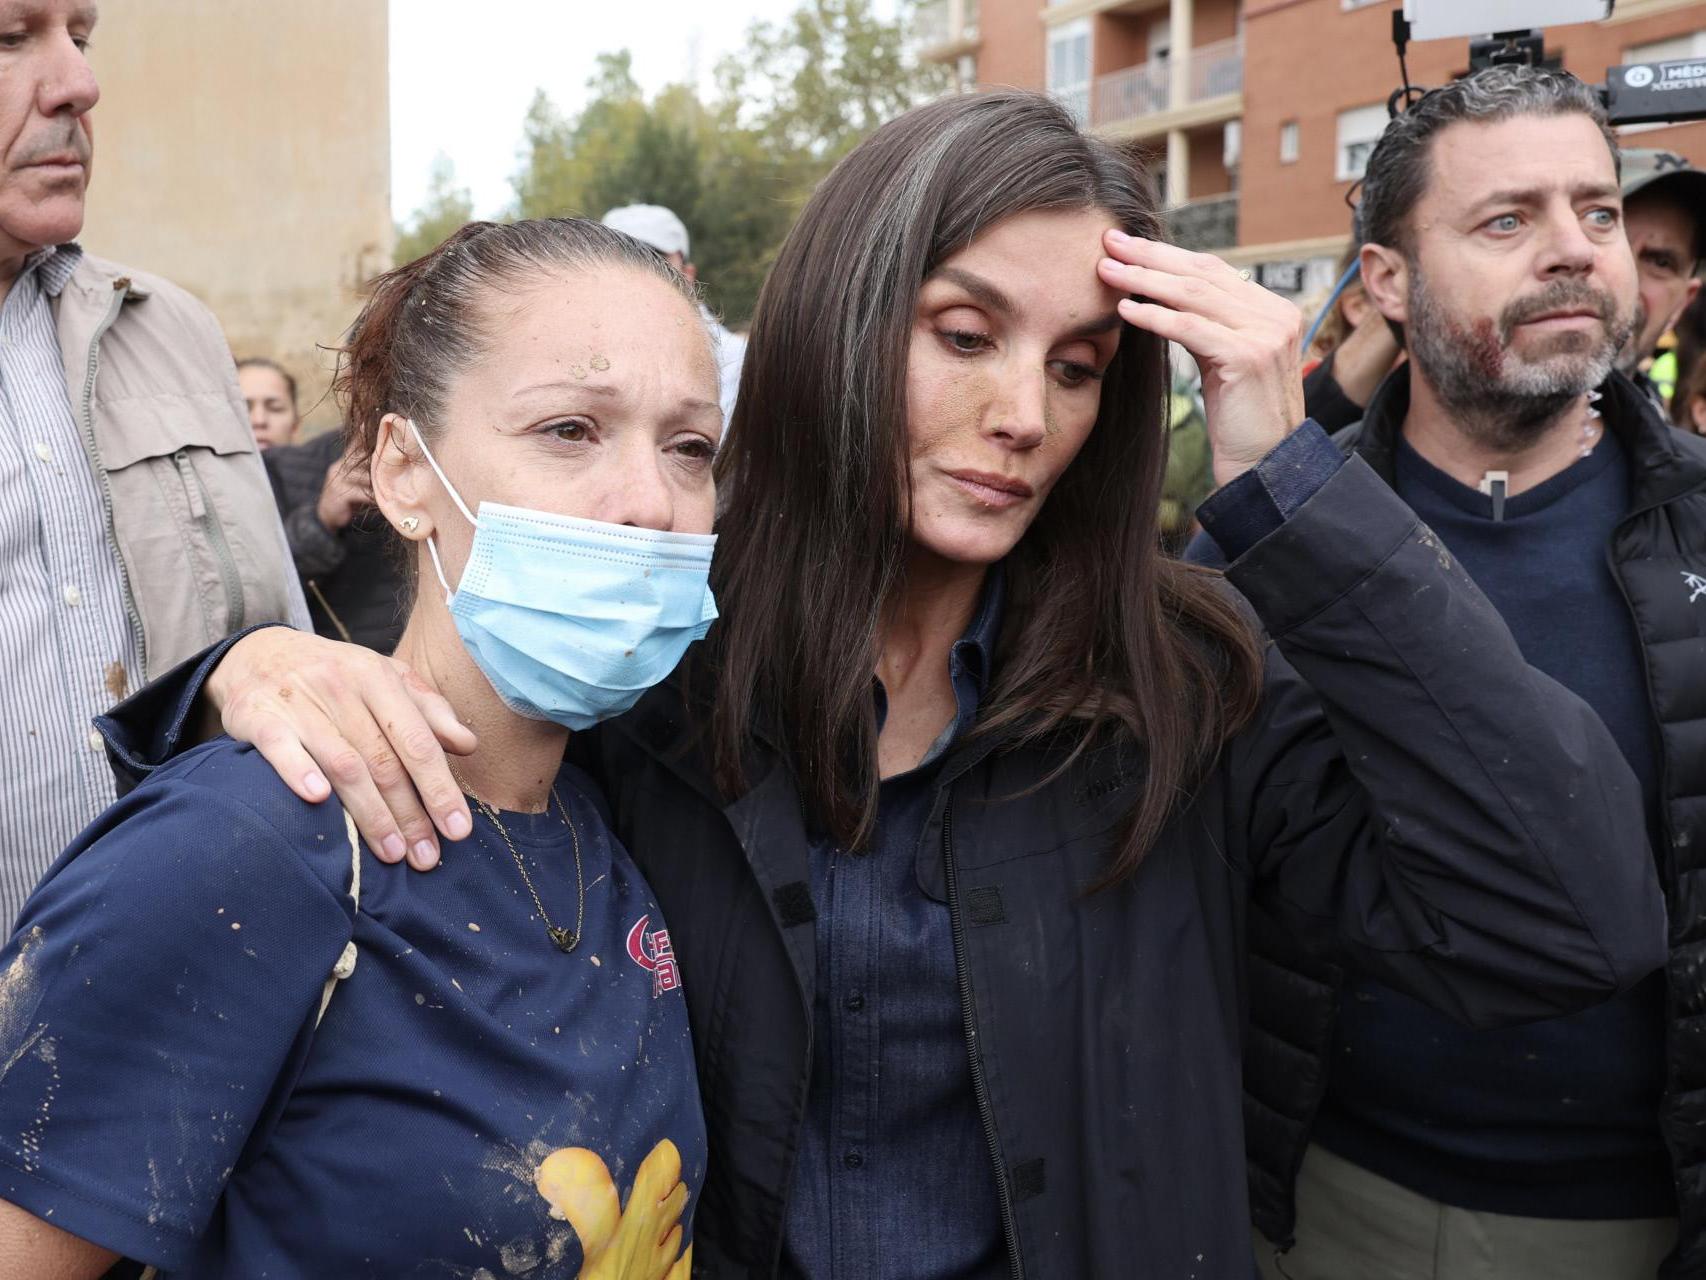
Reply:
x=242, y=149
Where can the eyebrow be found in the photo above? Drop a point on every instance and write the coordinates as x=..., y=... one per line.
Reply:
x=569, y=384
x=687, y=406
x=1538, y=195
x=993, y=298
x=979, y=288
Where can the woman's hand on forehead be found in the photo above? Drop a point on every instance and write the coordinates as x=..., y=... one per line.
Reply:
x=1246, y=340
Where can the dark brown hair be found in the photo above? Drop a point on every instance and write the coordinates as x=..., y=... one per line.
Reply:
x=1690, y=329
x=1101, y=631
x=430, y=320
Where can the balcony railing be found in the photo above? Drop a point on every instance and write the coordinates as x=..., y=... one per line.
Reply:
x=930, y=24
x=1077, y=101
x=1210, y=223
x=1135, y=91
x=1214, y=71
x=933, y=23
x=1217, y=70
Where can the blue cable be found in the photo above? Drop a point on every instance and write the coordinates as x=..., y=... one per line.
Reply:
x=1351, y=273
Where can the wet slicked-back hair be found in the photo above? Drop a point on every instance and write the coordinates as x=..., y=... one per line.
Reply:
x=1101, y=633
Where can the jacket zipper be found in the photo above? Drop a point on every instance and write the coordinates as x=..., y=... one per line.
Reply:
x=121, y=290
x=202, y=510
x=986, y=1113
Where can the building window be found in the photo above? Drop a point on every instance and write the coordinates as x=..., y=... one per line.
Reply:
x=1288, y=142
x=1359, y=129
x=1689, y=46
x=1232, y=144
x=1069, y=67
x=1160, y=40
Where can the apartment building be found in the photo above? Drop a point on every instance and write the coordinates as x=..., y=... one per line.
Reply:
x=1259, y=115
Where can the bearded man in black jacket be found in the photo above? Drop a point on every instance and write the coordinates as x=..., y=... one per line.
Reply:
x=1386, y=1140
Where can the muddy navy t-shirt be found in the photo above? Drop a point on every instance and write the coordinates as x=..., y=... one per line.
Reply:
x=473, y=1105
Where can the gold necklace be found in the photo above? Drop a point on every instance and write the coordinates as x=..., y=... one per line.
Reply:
x=565, y=939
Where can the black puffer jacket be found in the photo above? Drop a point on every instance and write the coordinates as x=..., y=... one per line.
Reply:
x=1658, y=555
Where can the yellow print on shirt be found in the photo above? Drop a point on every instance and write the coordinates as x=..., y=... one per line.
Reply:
x=639, y=1243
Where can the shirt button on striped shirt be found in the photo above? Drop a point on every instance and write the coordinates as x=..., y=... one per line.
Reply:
x=64, y=623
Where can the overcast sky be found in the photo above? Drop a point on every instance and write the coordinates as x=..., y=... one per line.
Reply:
x=462, y=74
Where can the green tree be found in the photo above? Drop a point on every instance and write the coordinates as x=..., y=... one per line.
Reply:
x=735, y=169
x=446, y=208
x=828, y=74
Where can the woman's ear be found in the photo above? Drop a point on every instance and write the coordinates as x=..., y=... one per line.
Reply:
x=396, y=469
x=1386, y=281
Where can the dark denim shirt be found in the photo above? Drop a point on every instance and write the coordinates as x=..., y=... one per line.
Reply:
x=892, y=1137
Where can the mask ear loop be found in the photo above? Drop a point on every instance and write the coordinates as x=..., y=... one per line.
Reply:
x=432, y=545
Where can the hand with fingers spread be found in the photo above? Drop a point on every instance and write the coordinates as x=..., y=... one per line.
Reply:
x=1246, y=341
x=322, y=710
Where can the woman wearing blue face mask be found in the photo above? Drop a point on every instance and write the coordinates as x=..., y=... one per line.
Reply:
x=240, y=1051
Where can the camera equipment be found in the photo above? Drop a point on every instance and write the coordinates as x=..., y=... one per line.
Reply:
x=1670, y=92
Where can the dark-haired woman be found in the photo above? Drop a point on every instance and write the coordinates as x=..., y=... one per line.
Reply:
x=957, y=823
x=229, y=1048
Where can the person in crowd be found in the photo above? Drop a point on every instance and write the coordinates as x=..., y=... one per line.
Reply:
x=269, y=391
x=1691, y=396
x=1664, y=212
x=1665, y=221
x=1688, y=394
x=1189, y=477
x=326, y=1072
x=659, y=227
x=1354, y=350
x=957, y=819
x=339, y=541
x=135, y=526
x=1567, y=1148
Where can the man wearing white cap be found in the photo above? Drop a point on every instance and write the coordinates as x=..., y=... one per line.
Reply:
x=659, y=227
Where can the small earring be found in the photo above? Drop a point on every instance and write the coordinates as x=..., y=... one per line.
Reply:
x=410, y=523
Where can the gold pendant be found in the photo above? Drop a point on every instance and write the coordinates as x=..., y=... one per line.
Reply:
x=566, y=939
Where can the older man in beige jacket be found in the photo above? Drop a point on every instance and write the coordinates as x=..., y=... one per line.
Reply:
x=136, y=525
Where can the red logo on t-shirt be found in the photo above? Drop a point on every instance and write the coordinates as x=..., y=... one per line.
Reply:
x=651, y=951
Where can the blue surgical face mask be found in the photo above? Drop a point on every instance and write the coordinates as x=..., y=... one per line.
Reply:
x=572, y=620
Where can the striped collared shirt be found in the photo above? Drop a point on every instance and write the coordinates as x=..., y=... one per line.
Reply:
x=69, y=651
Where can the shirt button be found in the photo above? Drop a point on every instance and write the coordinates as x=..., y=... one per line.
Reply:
x=73, y=596
x=855, y=1002
x=854, y=1160
x=94, y=739
x=43, y=452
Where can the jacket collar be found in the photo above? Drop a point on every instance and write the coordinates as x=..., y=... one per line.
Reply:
x=1664, y=464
